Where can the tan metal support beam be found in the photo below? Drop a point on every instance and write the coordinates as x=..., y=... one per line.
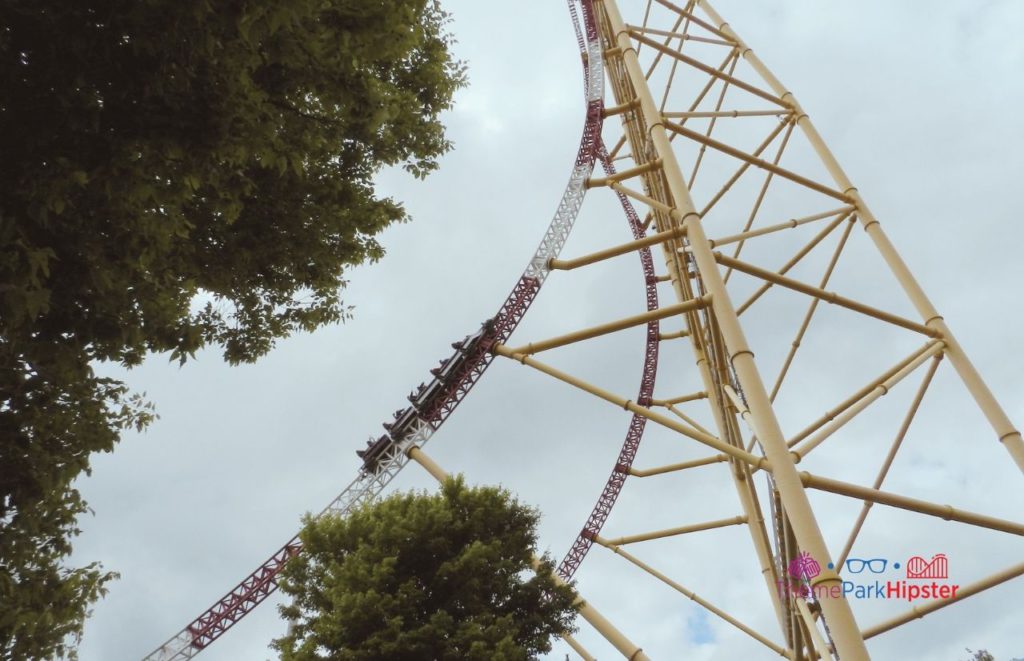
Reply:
x=631, y=406
x=421, y=458
x=680, y=530
x=696, y=20
x=947, y=512
x=687, y=419
x=692, y=595
x=765, y=184
x=789, y=224
x=615, y=251
x=611, y=327
x=730, y=62
x=579, y=649
x=608, y=631
x=668, y=40
x=692, y=397
x=680, y=35
x=622, y=175
x=1005, y=431
x=707, y=114
x=611, y=111
x=745, y=488
x=711, y=125
x=640, y=197
x=674, y=335
x=744, y=412
x=887, y=463
x=613, y=154
x=793, y=261
x=811, y=309
x=846, y=633
x=670, y=468
x=965, y=591
x=711, y=71
x=588, y=612
x=827, y=296
x=727, y=186
x=820, y=646
x=832, y=413
x=881, y=389
x=756, y=162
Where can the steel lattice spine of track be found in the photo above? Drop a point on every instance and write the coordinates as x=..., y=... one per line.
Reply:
x=764, y=245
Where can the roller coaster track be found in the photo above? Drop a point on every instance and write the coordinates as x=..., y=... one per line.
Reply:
x=444, y=391
x=746, y=432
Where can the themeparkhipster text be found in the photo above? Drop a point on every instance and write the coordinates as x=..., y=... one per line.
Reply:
x=924, y=579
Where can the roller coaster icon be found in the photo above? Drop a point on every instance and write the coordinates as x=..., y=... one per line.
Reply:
x=918, y=567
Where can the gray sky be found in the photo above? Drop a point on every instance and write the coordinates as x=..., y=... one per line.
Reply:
x=920, y=102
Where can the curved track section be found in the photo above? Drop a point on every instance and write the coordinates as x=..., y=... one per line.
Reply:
x=435, y=400
x=606, y=501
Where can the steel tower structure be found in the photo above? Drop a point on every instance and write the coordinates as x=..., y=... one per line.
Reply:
x=728, y=174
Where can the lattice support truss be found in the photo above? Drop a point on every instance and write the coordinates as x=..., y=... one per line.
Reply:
x=716, y=149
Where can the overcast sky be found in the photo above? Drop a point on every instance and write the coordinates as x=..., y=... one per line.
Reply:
x=920, y=101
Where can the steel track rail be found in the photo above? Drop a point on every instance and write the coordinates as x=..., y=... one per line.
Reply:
x=435, y=400
x=635, y=432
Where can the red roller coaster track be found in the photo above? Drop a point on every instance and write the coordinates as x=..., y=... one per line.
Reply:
x=446, y=391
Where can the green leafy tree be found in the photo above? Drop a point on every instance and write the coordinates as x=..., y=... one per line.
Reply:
x=176, y=174
x=417, y=576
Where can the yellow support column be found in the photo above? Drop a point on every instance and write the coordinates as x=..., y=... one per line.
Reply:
x=845, y=631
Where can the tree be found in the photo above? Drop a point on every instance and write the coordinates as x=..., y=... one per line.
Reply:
x=415, y=576
x=176, y=174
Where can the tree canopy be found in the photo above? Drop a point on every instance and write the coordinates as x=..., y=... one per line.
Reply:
x=176, y=174
x=445, y=577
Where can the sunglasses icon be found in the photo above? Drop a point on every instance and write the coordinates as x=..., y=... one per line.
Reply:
x=857, y=565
